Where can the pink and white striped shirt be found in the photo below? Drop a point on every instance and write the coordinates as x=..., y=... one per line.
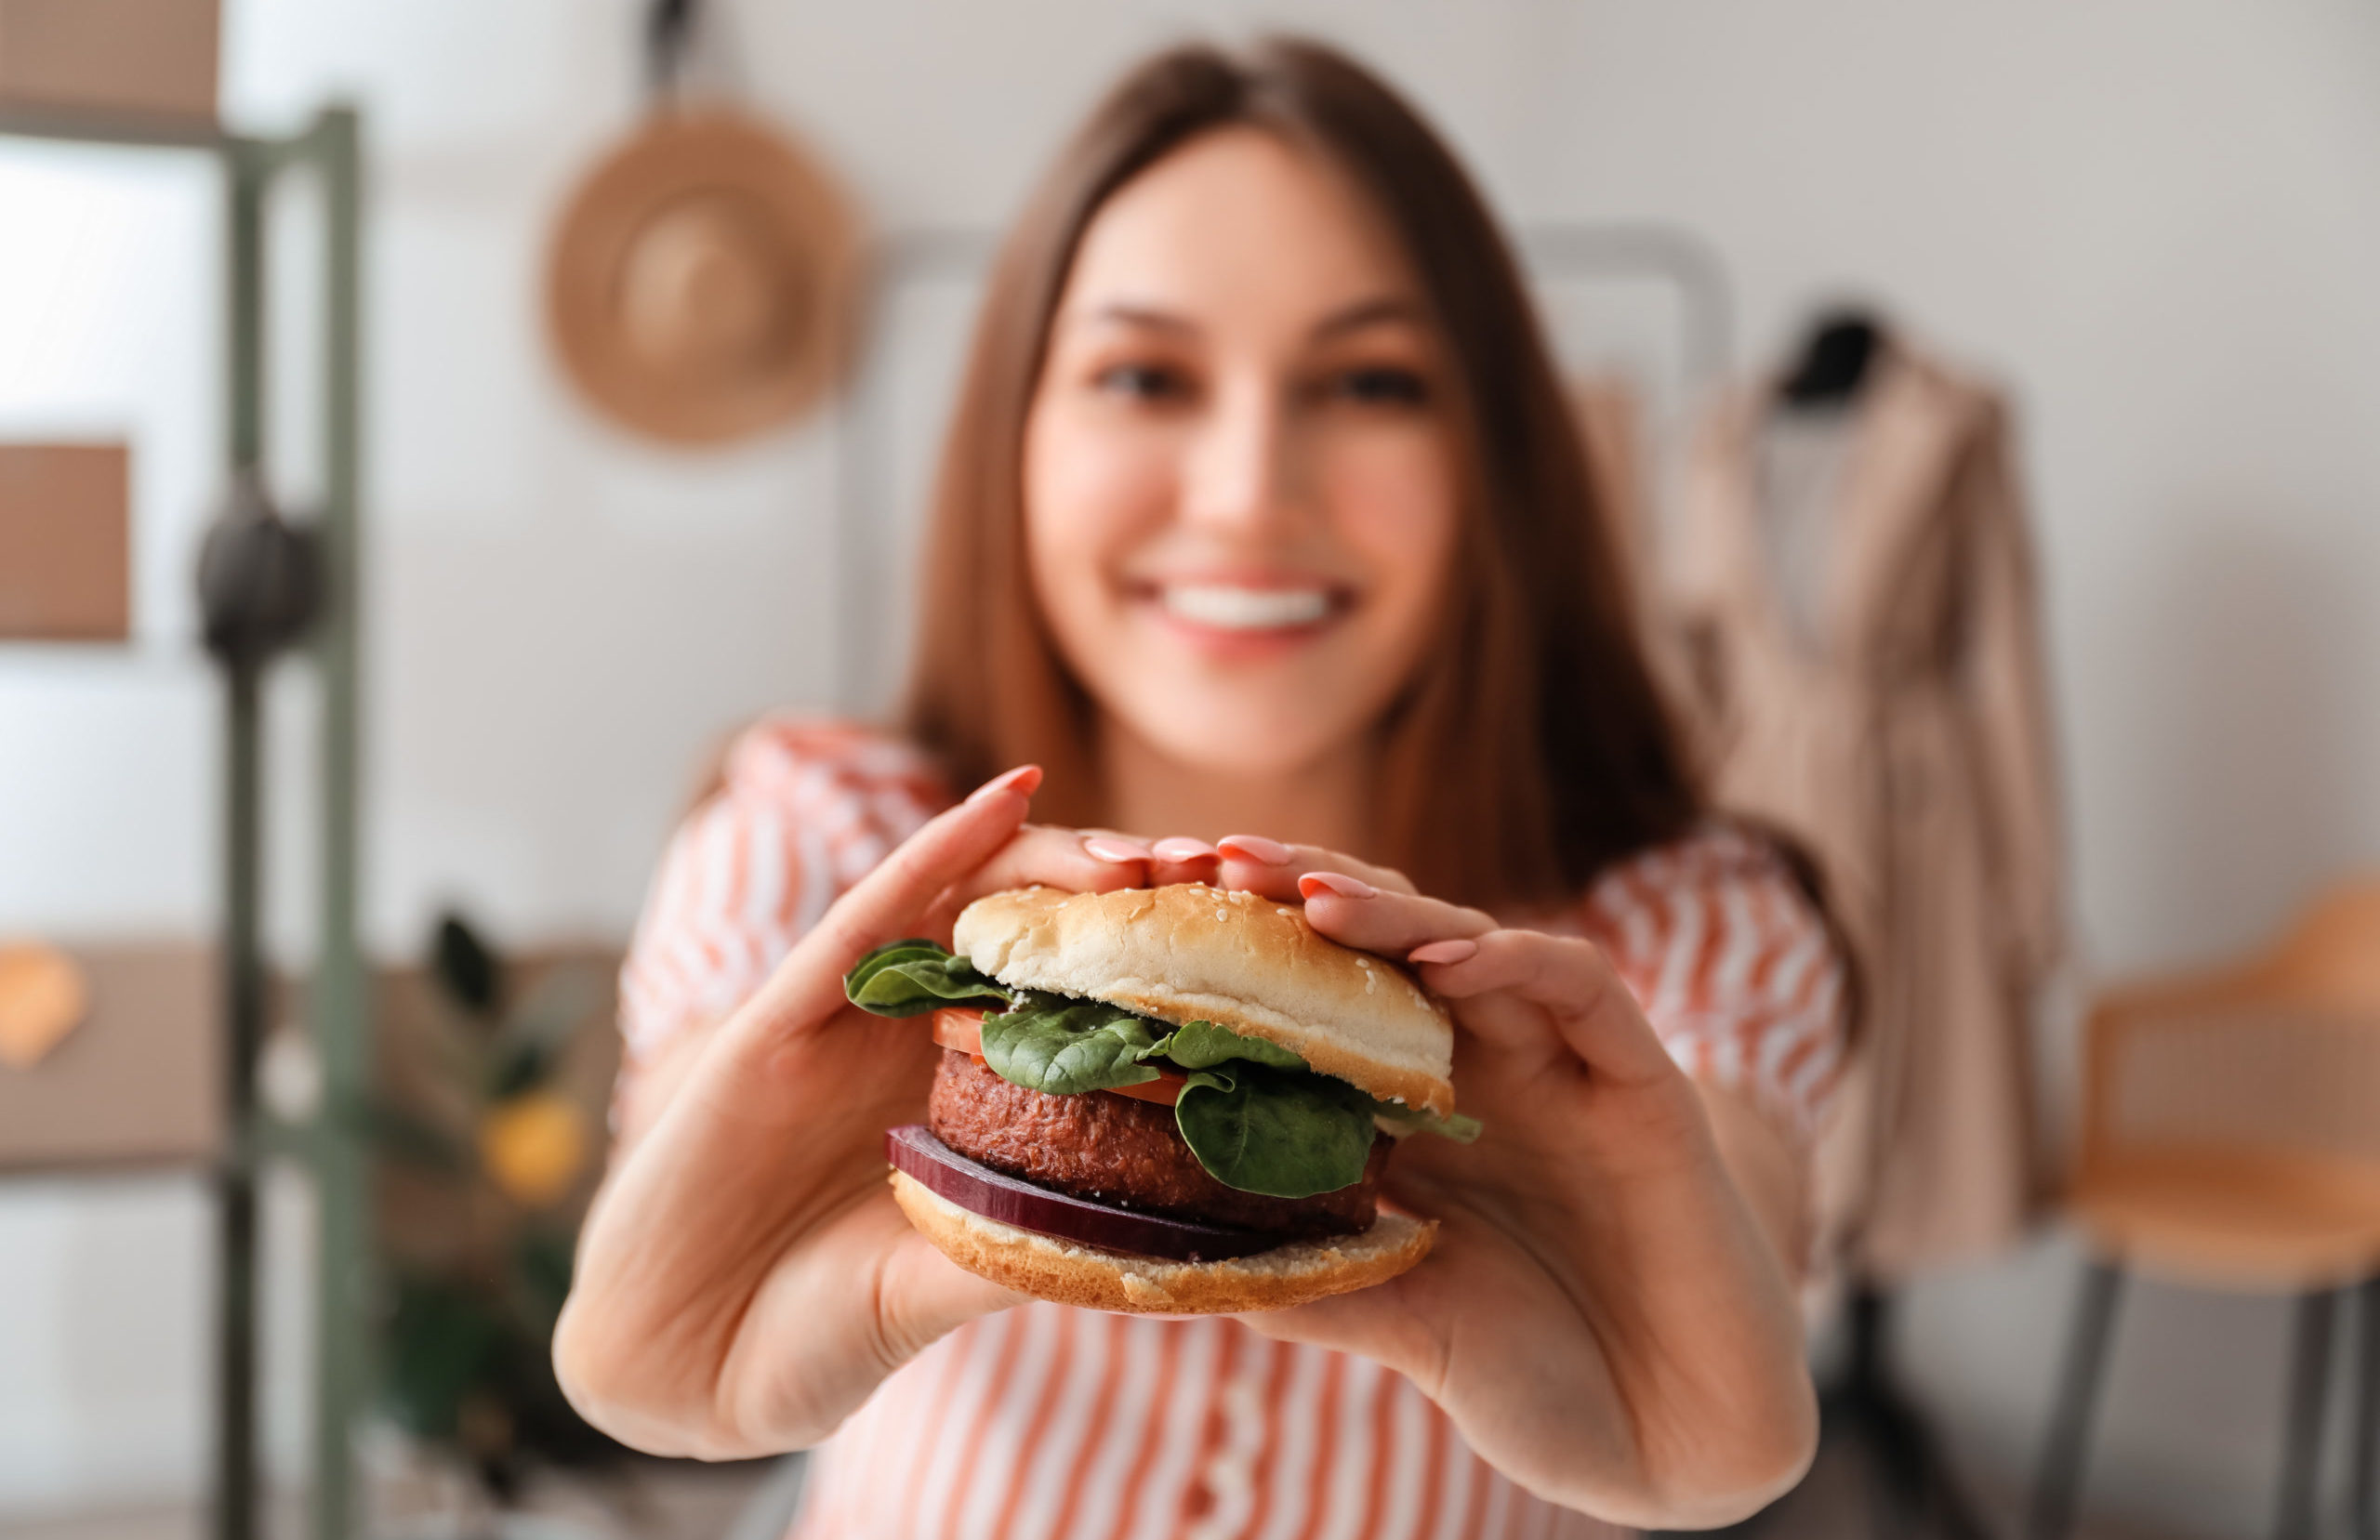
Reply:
x=1051, y=1421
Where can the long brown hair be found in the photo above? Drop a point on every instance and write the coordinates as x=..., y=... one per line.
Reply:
x=1532, y=747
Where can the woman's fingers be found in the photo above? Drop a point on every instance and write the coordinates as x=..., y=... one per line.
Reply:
x=1079, y=860
x=891, y=900
x=1378, y=920
x=1271, y=869
x=1570, y=982
x=1465, y=956
x=1179, y=859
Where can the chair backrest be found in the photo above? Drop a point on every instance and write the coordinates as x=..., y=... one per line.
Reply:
x=2332, y=956
x=2279, y=1058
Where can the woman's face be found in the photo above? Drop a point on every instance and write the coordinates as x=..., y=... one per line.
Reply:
x=1240, y=467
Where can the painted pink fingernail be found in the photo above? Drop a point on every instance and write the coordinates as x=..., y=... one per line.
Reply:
x=1115, y=849
x=1443, y=952
x=1315, y=883
x=1256, y=847
x=1179, y=848
x=1024, y=779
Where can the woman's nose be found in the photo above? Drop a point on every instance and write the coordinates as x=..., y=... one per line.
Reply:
x=1242, y=475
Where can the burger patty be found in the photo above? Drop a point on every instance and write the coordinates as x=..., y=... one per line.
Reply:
x=1123, y=1150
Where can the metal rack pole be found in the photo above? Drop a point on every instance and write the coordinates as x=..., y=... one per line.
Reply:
x=243, y=961
x=341, y=1009
x=337, y=1007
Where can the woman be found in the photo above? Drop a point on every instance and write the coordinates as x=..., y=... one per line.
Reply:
x=1261, y=511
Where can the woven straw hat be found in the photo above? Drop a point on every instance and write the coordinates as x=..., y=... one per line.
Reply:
x=703, y=279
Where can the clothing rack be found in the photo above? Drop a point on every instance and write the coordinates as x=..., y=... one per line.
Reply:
x=865, y=516
x=330, y=1147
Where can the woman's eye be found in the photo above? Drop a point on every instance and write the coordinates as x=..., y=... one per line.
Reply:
x=1144, y=381
x=1381, y=385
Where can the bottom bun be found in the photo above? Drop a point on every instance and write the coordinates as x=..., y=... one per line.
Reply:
x=1048, y=1268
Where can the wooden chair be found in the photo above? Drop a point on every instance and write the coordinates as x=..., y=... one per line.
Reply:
x=2231, y=1139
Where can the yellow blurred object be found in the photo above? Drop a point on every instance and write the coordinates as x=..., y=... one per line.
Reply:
x=535, y=1146
x=43, y=997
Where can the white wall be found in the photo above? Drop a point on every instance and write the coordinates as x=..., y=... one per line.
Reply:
x=2158, y=221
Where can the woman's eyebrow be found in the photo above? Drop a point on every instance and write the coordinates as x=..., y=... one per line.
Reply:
x=1126, y=314
x=1381, y=310
x=1376, y=311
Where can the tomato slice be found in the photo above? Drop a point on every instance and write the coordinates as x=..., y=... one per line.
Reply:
x=960, y=1029
x=1165, y=1090
x=956, y=1027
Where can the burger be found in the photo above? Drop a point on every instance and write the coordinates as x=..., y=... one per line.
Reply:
x=1170, y=1101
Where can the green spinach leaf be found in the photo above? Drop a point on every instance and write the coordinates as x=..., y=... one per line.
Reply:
x=1285, y=1135
x=1402, y=1119
x=910, y=978
x=1049, y=1043
x=1203, y=1044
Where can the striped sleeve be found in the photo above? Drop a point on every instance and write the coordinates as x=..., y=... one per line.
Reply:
x=804, y=810
x=1734, y=967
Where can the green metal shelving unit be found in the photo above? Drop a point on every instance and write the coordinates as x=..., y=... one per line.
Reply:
x=329, y=1149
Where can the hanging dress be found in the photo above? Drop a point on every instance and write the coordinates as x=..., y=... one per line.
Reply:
x=1855, y=610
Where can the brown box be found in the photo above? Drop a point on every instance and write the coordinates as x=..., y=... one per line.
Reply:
x=145, y=57
x=65, y=542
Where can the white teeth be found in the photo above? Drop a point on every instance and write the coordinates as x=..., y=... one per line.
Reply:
x=1231, y=608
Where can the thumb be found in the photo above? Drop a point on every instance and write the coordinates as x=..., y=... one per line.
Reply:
x=891, y=902
x=926, y=1296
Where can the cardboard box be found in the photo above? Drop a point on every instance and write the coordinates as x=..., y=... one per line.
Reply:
x=65, y=542
x=141, y=58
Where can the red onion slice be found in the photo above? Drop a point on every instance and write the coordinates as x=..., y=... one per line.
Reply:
x=1013, y=1201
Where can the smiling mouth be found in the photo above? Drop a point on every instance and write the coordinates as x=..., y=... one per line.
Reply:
x=1231, y=606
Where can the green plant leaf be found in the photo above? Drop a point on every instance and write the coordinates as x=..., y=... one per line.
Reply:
x=519, y=1067
x=1203, y=1044
x=1287, y=1135
x=541, y=1270
x=467, y=969
x=910, y=978
x=1049, y=1043
x=443, y=1342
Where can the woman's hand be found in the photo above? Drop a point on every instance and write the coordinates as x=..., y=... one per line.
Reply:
x=744, y=1280
x=1602, y=1317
